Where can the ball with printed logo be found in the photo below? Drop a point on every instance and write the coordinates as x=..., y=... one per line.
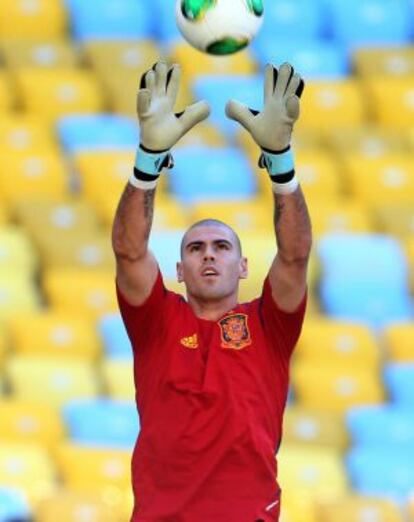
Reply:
x=219, y=27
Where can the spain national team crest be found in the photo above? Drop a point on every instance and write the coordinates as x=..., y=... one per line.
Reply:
x=235, y=332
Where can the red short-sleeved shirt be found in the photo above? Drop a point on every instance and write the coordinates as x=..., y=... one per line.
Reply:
x=210, y=396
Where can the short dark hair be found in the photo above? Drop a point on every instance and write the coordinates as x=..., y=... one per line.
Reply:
x=210, y=222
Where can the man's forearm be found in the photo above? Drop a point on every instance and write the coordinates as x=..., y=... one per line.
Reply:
x=132, y=223
x=292, y=226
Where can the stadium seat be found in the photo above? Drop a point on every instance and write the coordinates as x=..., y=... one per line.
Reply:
x=75, y=506
x=103, y=422
x=94, y=469
x=198, y=174
x=399, y=380
x=338, y=342
x=106, y=20
x=330, y=105
x=381, y=471
x=381, y=425
x=391, y=102
x=16, y=251
x=195, y=63
x=331, y=387
x=311, y=427
x=118, y=379
x=4, y=348
x=114, y=336
x=359, y=509
x=386, y=180
x=91, y=293
x=204, y=134
x=27, y=467
x=35, y=174
x=395, y=219
x=312, y=469
x=18, y=293
x=13, y=505
x=7, y=100
x=398, y=341
x=166, y=30
x=297, y=507
x=43, y=53
x=411, y=509
x=391, y=61
x=409, y=250
x=58, y=92
x=24, y=421
x=339, y=216
x=217, y=90
x=367, y=23
x=52, y=334
x=50, y=380
x=313, y=59
x=37, y=19
x=97, y=132
x=20, y=132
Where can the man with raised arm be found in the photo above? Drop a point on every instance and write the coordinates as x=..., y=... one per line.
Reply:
x=211, y=374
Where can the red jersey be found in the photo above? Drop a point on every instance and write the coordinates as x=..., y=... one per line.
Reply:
x=211, y=396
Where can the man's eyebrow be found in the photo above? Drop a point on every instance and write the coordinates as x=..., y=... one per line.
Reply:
x=216, y=241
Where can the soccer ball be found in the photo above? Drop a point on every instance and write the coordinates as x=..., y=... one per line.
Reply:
x=219, y=27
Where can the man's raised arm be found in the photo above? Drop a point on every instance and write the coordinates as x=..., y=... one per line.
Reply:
x=160, y=129
x=272, y=129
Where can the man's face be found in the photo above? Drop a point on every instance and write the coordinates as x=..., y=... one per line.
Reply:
x=211, y=263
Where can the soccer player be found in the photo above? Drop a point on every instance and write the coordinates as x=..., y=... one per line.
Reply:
x=211, y=374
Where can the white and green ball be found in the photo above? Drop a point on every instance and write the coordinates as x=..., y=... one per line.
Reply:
x=219, y=27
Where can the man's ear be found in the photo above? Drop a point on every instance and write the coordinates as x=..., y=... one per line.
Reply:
x=180, y=278
x=244, y=270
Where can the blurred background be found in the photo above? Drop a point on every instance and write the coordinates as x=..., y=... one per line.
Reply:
x=68, y=79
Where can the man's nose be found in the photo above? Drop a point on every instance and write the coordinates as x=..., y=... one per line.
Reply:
x=209, y=254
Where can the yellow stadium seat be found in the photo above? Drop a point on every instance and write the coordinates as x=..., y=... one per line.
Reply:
x=62, y=218
x=392, y=101
x=297, y=507
x=54, y=334
x=93, y=253
x=71, y=506
x=411, y=509
x=6, y=97
x=27, y=467
x=18, y=293
x=16, y=251
x=386, y=180
x=367, y=141
x=359, y=509
x=314, y=428
x=395, y=219
x=35, y=174
x=327, y=386
x=35, y=19
x=51, y=380
x=327, y=105
x=244, y=215
x=20, y=132
x=205, y=135
x=4, y=345
x=342, y=215
x=43, y=53
x=338, y=342
x=58, y=92
x=317, y=470
x=91, y=293
x=118, y=379
x=195, y=63
x=398, y=338
x=380, y=62
x=84, y=468
x=23, y=421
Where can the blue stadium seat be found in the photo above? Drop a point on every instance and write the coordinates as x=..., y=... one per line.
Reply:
x=371, y=22
x=99, y=131
x=114, y=336
x=313, y=59
x=382, y=470
x=166, y=248
x=13, y=506
x=102, y=422
x=217, y=90
x=106, y=19
x=201, y=173
x=166, y=29
x=383, y=424
x=399, y=380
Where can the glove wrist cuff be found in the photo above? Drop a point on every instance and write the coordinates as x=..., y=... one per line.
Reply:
x=152, y=162
x=281, y=168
